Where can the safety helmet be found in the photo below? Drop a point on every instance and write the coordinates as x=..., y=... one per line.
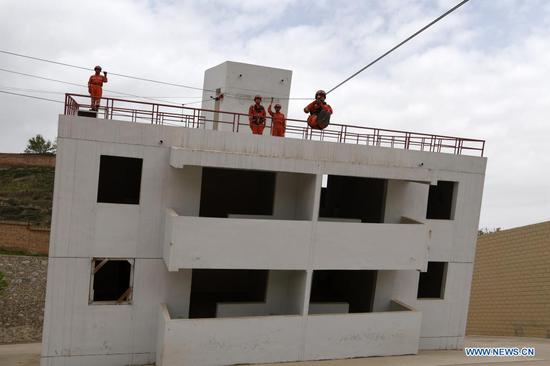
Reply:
x=320, y=92
x=277, y=106
x=97, y=67
x=257, y=97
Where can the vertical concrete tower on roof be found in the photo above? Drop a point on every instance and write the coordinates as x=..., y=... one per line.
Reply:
x=239, y=83
x=198, y=244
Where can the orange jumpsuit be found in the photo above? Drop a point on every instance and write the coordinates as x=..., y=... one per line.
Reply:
x=278, y=123
x=95, y=89
x=256, y=117
x=314, y=108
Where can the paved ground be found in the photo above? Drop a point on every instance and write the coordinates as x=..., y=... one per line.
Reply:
x=29, y=355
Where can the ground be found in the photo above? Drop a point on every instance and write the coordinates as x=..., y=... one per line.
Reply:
x=29, y=355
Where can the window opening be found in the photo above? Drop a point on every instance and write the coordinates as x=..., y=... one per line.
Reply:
x=441, y=201
x=431, y=284
x=111, y=281
x=119, y=179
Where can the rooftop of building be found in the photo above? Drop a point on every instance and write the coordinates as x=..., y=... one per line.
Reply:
x=184, y=116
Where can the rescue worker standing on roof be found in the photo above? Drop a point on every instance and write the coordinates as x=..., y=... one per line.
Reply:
x=319, y=111
x=278, y=120
x=256, y=116
x=95, y=87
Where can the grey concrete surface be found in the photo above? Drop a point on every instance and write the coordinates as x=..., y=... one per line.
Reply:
x=29, y=355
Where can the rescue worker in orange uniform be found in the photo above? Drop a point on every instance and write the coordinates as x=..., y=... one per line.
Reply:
x=278, y=120
x=315, y=108
x=95, y=87
x=256, y=116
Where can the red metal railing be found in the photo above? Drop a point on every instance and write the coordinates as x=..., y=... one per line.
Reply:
x=173, y=114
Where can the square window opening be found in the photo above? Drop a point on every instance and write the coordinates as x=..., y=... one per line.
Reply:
x=431, y=284
x=111, y=281
x=441, y=201
x=119, y=180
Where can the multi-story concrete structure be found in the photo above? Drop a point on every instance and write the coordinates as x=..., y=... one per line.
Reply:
x=201, y=247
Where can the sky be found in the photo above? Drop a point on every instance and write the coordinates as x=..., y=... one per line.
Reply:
x=483, y=72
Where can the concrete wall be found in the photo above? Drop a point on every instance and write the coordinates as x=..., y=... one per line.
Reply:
x=328, y=308
x=240, y=83
x=184, y=190
x=342, y=245
x=443, y=320
x=286, y=338
x=196, y=242
x=511, y=283
x=83, y=228
x=107, y=334
x=405, y=199
x=24, y=237
x=294, y=196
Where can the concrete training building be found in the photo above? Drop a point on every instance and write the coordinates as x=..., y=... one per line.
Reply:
x=511, y=283
x=204, y=246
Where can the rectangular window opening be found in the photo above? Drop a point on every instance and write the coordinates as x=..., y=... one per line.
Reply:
x=212, y=286
x=111, y=281
x=431, y=284
x=354, y=199
x=441, y=200
x=226, y=192
x=342, y=291
x=119, y=179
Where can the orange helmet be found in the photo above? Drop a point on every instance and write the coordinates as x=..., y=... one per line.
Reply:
x=257, y=97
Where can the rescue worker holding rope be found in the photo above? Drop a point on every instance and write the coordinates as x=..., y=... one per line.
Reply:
x=256, y=116
x=319, y=111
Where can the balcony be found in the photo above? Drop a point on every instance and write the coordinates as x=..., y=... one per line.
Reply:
x=264, y=339
x=235, y=243
x=349, y=245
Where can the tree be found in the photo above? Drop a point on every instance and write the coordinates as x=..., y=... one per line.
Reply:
x=39, y=145
x=485, y=230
